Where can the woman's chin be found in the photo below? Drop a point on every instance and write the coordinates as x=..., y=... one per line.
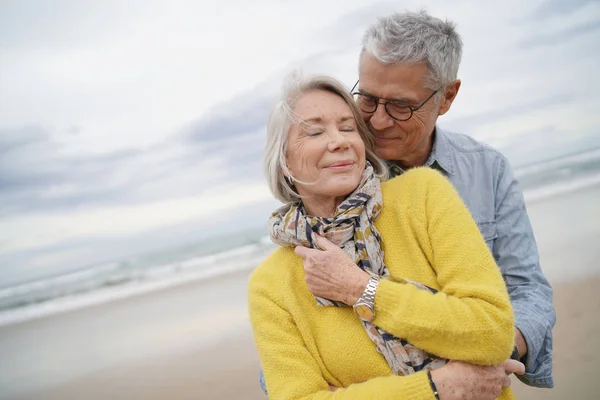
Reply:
x=341, y=188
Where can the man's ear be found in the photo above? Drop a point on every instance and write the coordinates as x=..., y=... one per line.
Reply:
x=449, y=96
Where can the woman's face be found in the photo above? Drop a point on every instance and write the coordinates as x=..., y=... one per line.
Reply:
x=325, y=148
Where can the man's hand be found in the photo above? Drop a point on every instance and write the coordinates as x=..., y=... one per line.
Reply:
x=458, y=380
x=331, y=274
x=520, y=343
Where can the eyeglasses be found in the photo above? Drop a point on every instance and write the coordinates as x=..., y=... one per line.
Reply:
x=396, y=109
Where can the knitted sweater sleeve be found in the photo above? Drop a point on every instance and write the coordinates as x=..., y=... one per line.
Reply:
x=291, y=372
x=470, y=318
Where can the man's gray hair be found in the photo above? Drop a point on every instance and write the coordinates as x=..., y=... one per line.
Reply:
x=414, y=38
x=283, y=117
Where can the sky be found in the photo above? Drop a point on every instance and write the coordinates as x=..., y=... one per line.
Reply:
x=132, y=126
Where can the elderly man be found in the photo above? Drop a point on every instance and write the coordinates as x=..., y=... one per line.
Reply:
x=407, y=79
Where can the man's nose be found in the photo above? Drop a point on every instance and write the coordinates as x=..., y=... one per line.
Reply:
x=380, y=119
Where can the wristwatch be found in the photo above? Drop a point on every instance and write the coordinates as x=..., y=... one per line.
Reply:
x=364, y=308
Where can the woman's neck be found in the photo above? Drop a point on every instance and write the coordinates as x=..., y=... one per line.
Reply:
x=324, y=207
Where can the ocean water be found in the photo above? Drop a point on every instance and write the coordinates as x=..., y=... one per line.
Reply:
x=562, y=175
x=133, y=276
x=243, y=251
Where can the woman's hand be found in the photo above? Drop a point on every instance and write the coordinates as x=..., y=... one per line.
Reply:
x=331, y=274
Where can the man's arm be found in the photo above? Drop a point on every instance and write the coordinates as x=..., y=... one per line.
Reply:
x=458, y=380
x=530, y=293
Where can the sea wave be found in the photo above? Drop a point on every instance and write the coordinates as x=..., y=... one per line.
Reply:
x=117, y=280
x=155, y=279
x=558, y=188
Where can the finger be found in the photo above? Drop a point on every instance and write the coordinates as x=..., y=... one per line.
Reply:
x=302, y=251
x=514, y=366
x=324, y=243
x=506, y=382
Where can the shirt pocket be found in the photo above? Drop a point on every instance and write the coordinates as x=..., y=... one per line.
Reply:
x=489, y=232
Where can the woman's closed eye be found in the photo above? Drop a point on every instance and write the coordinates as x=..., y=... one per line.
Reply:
x=347, y=128
x=315, y=132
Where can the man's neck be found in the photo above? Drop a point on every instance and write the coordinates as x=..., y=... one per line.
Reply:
x=419, y=157
x=411, y=162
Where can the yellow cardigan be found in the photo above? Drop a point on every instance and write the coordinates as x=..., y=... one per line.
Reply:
x=428, y=237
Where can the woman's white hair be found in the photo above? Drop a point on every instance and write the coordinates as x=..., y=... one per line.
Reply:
x=283, y=117
x=414, y=38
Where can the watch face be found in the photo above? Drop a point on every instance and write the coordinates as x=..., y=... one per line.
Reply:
x=364, y=312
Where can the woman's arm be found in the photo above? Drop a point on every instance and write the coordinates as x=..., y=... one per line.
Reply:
x=290, y=370
x=470, y=318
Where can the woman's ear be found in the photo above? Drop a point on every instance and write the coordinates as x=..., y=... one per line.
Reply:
x=288, y=175
x=286, y=169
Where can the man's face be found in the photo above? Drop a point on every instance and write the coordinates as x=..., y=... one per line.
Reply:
x=406, y=141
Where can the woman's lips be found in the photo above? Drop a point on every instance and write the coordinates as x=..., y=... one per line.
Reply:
x=341, y=165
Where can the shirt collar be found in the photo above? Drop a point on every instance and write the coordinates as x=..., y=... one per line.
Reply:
x=440, y=157
x=442, y=151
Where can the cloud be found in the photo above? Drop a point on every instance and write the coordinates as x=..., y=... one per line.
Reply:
x=56, y=205
x=49, y=228
x=242, y=115
x=147, y=127
x=555, y=23
x=59, y=253
x=553, y=8
x=36, y=175
x=564, y=35
x=513, y=111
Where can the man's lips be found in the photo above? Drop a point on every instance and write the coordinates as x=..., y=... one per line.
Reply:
x=384, y=138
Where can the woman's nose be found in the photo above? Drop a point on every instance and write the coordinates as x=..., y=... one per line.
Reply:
x=337, y=140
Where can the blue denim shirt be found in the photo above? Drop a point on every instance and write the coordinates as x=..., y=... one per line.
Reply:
x=487, y=185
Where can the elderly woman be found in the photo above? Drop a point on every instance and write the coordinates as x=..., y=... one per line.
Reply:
x=407, y=281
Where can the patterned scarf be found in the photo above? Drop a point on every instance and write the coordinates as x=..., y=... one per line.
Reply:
x=353, y=230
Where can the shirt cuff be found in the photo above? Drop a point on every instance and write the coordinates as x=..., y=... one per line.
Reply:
x=538, y=360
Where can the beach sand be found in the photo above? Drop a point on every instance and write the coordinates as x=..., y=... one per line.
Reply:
x=576, y=344
x=228, y=369
x=194, y=341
